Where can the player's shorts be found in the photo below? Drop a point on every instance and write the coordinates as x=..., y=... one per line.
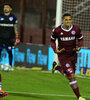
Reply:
x=6, y=43
x=68, y=64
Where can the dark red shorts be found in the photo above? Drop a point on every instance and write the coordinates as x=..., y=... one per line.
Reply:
x=68, y=64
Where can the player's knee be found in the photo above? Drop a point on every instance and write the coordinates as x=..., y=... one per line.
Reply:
x=71, y=77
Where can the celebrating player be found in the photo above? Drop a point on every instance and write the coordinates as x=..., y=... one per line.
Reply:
x=8, y=31
x=67, y=34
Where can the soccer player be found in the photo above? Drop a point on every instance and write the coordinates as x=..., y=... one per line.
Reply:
x=2, y=93
x=8, y=31
x=67, y=34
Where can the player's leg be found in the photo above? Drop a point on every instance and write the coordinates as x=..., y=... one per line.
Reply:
x=74, y=85
x=0, y=53
x=70, y=73
x=9, y=44
x=2, y=93
x=56, y=67
x=1, y=47
x=0, y=82
x=9, y=50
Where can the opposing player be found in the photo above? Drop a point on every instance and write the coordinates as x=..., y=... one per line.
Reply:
x=67, y=34
x=8, y=31
x=8, y=35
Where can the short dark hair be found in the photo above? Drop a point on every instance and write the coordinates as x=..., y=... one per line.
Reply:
x=7, y=4
x=66, y=14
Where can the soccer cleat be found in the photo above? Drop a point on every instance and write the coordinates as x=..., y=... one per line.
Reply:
x=11, y=69
x=3, y=94
x=54, y=66
x=81, y=98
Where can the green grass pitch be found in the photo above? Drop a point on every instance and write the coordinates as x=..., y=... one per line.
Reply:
x=38, y=85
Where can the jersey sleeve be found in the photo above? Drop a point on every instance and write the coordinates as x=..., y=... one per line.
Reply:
x=53, y=39
x=53, y=36
x=15, y=20
x=79, y=37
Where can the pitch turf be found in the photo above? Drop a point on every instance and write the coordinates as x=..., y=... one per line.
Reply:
x=37, y=85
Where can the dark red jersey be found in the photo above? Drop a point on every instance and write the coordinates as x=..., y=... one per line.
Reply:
x=66, y=38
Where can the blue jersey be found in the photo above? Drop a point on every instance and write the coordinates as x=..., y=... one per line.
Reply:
x=7, y=23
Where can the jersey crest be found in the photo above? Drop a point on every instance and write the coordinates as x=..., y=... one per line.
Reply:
x=67, y=65
x=11, y=18
x=73, y=32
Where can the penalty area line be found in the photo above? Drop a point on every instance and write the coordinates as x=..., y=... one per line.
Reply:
x=58, y=95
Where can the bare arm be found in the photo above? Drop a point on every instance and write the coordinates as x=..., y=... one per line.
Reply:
x=17, y=41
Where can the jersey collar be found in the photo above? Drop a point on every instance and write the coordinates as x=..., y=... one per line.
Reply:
x=6, y=15
x=65, y=29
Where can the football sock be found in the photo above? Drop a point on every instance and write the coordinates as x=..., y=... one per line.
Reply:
x=0, y=81
x=10, y=60
x=75, y=88
x=76, y=91
x=10, y=57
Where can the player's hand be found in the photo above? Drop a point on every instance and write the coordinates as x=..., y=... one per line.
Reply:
x=59, y=51
x=17, y=41
x=77, y=49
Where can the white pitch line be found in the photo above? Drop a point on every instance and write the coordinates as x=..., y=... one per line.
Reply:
x=82, y=77
x=85, y=77
x=45, y=94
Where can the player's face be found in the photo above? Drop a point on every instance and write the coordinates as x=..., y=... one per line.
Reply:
x=7, y=9
x=67, y=21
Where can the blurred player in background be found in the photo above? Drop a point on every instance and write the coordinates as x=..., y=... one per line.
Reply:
x=67, y=34
x=8, y=31
x=8, y=35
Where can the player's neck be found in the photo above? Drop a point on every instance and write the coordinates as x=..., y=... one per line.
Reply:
x=66, y=27
x=7, y=13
